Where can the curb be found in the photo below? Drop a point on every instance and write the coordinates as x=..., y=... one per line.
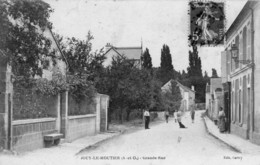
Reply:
x=213, y=135
x=95, y=145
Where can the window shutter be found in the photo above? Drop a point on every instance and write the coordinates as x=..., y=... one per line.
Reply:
x=249, y=44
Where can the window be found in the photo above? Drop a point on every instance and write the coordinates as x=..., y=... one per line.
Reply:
x=233, y=107
x=240, y=48
x=245, y=101
x=236, y=105
x=240, y=107
x=248, y=44
x=244, y=43
x=237, y=45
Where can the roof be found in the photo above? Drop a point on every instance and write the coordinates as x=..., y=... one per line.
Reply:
x=58, y=46
x=240, y=17
x=128, y=52
x=180, y=85
x=186, y=88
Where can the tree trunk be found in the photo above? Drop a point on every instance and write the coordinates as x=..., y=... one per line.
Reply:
x=121, y=116
x=128, y=114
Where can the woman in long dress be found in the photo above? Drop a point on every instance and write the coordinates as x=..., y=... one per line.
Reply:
x=221, y=120
x=203, y=21
x=179, y=116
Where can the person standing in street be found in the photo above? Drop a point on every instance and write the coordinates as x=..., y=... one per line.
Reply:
x=179, y=116
x=192, y=114
x=166, y=115
x=221, y=121
x=147, y=119
x=175, y=115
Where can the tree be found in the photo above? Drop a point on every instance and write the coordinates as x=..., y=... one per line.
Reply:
x=166, y=71
x=194, y=69
x=146, y=59
x=25, y=44
x=194, y=76
x=80, y=56
x=129, y=88
x=214, y=73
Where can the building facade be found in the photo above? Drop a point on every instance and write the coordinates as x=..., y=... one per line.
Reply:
x=214, y=98
x=21, y=130
x=188, y=95
x=241, y=76
x=131, y=53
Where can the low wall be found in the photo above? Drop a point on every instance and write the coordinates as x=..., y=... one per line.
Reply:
x=80, y=126
x=28, y=134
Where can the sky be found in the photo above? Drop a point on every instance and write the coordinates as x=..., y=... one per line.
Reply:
x=132, y=22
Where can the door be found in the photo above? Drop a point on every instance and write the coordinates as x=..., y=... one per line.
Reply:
x=248, y=113
x=9, y=131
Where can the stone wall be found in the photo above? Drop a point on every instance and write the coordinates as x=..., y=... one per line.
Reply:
x=28, y=134
x=80, y=126
x=83, y=107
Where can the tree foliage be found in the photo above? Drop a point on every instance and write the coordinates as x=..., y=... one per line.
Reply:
x=129, y=88
x=24, y=42
x=214, y=73
x=146, y=60
x=166, y=71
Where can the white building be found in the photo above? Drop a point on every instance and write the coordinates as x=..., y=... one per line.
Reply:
x=243, y=72
x=188, y=95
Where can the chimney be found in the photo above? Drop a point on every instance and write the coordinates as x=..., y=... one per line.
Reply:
x=108, y=46
x=192, y=88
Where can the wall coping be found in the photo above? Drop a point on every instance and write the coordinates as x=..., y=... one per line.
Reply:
x=30, y=121
x=81, y=116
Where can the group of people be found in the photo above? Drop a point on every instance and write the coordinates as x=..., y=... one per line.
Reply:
x=177, y=117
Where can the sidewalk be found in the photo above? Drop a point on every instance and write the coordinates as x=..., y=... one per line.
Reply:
x=235, y=142
x=61, y=154
x=65, y=152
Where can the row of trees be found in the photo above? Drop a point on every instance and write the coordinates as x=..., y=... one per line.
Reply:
x=28, y=51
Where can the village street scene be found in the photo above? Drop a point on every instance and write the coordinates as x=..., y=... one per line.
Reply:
x=129, y=82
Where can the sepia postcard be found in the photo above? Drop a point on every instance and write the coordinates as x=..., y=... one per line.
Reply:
x=115, y=82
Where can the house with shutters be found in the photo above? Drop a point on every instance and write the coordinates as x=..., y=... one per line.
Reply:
x=240, y=67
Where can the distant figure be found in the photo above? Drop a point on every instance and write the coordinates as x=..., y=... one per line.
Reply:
x=179, y=115
x=166, y=113
x=175, y=116
x=147, y=118
x=192, y=114
x=221, y=122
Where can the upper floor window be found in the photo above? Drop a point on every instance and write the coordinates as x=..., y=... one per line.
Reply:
x=237, y=45
x=245, y=43
x=248, y=43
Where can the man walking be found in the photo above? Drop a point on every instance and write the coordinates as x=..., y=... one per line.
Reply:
x=192, y=114
x=167, y=115
x=146, y=119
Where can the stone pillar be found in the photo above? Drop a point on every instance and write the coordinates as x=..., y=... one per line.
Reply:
x=97, y=113
x=64, y=113
x=5, y=104
x=103, y=113
x=58, y=115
